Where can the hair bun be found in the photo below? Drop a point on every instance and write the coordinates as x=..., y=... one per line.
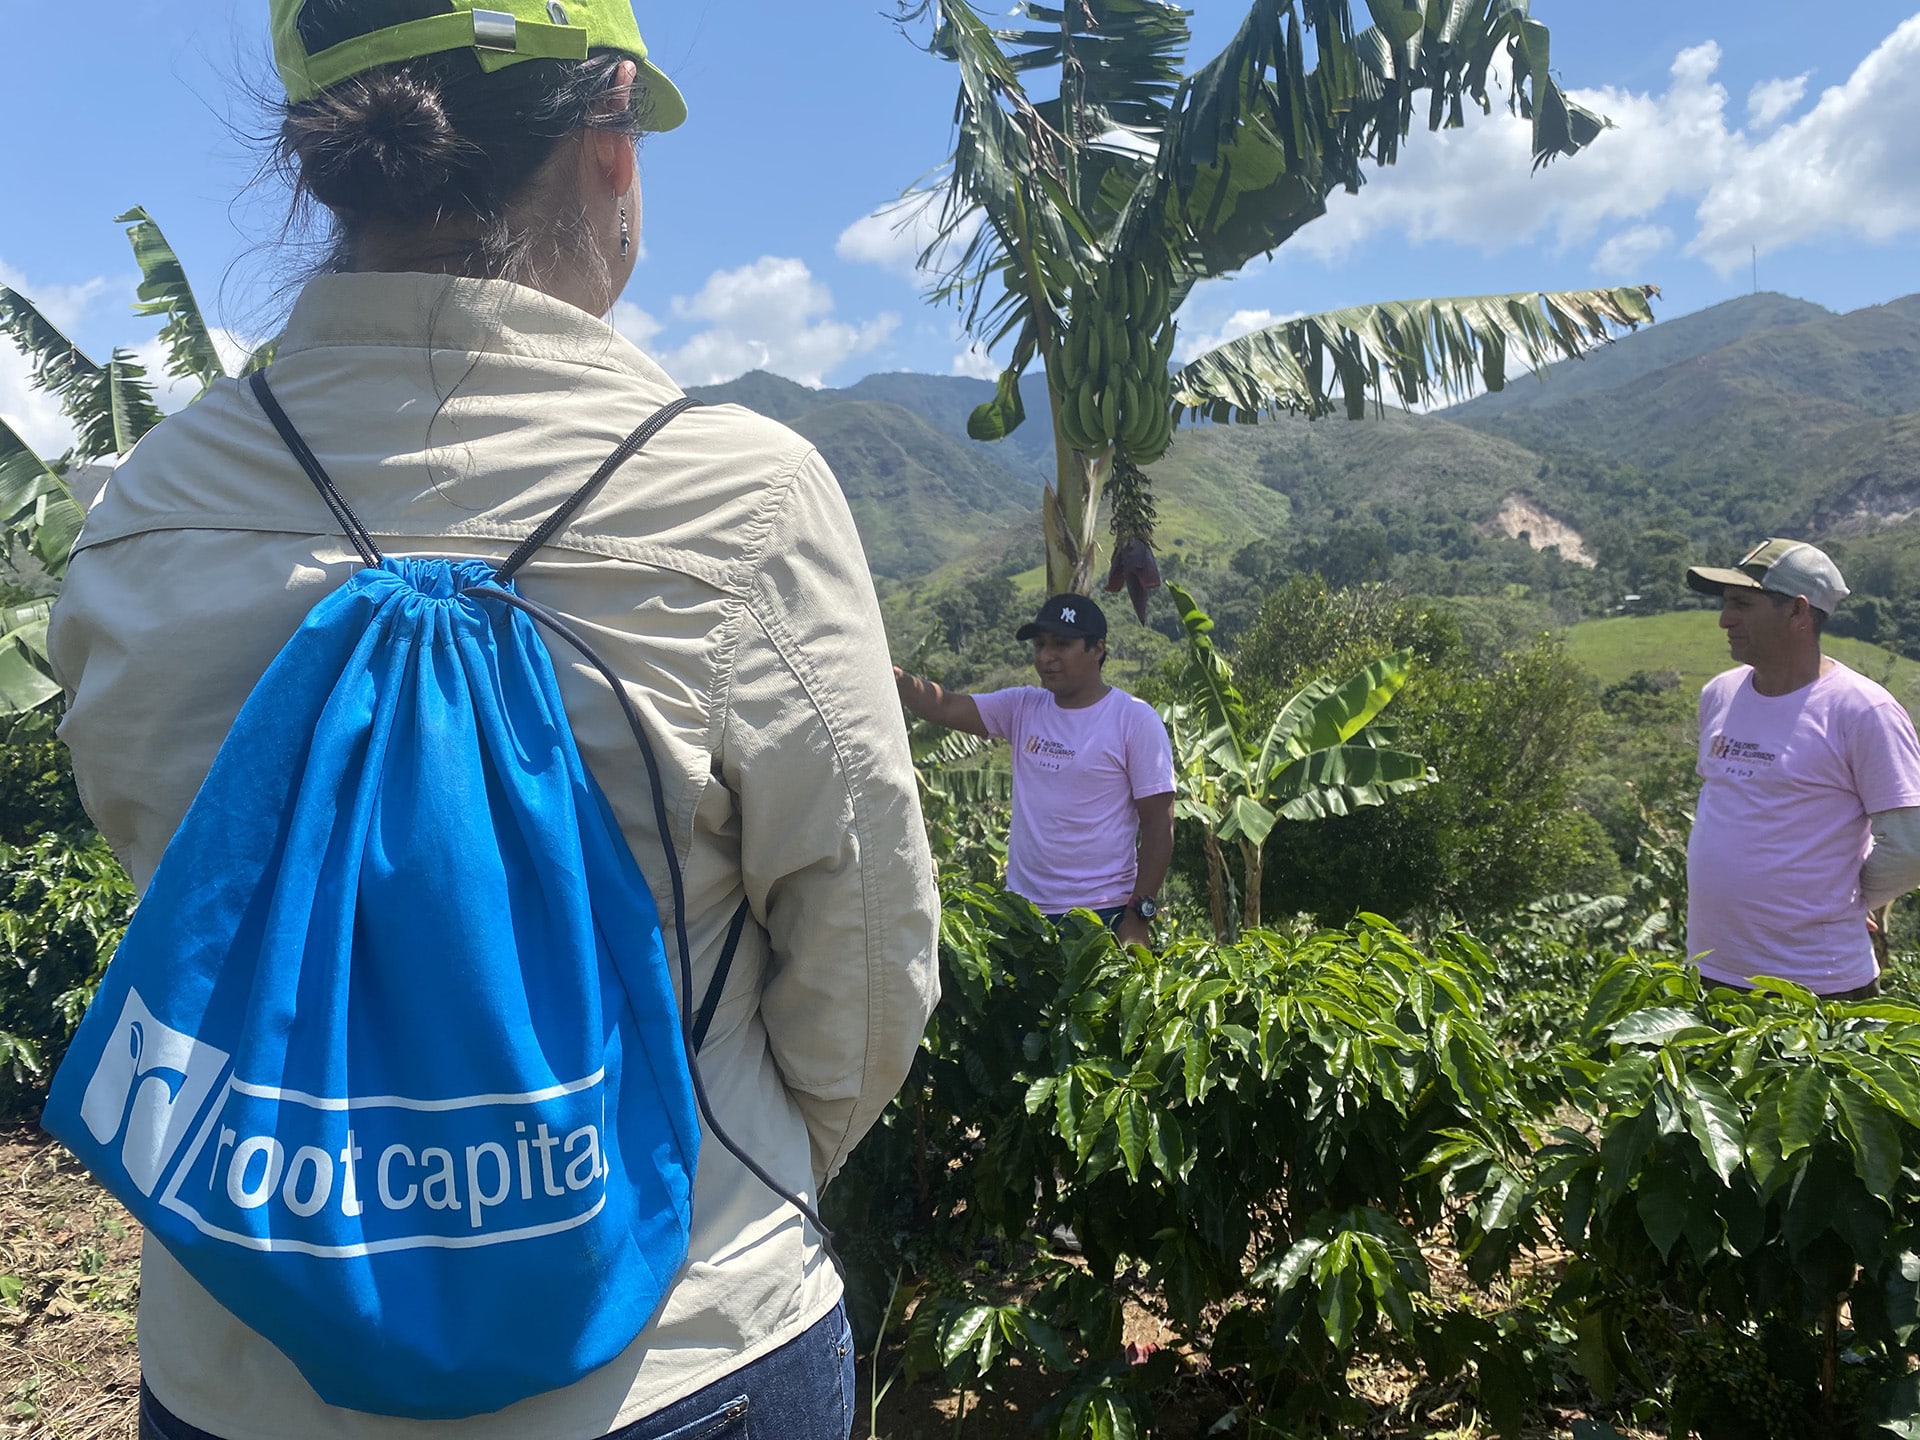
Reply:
x=384, y=145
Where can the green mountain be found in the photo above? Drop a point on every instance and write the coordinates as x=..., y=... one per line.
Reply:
x=1791, y=426
x=1669, y=342
x=918, y=497
x=900, y=440
x=1686, y=440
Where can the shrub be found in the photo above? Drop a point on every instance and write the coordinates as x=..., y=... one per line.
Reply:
x=64, y=904
x=1251, y=1136
x=1755, y=1166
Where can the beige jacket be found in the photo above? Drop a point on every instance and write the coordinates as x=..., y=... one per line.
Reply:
x=719, y=572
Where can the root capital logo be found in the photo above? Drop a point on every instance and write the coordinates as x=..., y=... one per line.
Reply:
x=150, y=1086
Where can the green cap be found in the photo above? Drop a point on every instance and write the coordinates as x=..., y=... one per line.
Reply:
x=501, y=33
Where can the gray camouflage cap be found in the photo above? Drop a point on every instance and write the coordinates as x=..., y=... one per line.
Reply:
x=1784, y=567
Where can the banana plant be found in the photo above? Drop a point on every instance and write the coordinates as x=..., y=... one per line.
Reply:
x=110, y=407
x=1322, y=755
x=39, y=515
x=1073, y=227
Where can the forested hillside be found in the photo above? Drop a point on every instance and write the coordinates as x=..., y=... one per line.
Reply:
x=1687, y=440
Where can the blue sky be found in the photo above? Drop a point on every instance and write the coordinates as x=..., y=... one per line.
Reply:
x=1738, y=125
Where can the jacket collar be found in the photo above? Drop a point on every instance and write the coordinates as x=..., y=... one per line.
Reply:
x=450, y=313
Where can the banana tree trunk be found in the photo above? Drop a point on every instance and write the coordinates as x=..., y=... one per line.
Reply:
x=1072, y=515
x=1217, y=889
x=1253, y=864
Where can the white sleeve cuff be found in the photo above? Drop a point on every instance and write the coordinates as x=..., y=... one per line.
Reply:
x=1892, y=867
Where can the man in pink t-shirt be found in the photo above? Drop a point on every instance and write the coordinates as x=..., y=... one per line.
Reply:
x=1092, y=772
x=1809, y=813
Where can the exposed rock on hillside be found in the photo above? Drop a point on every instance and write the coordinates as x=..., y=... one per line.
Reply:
x=1519, y=516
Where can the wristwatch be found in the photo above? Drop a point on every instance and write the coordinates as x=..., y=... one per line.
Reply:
x=1145, y=906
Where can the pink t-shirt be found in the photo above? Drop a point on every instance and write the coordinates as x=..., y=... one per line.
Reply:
x=1076, y=776
x=1773, y=865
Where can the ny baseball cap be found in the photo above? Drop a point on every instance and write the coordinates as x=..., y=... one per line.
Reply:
x=1066, y=615
x=1784, y=567
x=499, y=32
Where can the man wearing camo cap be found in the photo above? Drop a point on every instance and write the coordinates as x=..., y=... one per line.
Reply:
x=1809, y=814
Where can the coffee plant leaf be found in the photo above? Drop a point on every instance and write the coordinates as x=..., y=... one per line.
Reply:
x=1626, y=1084
x=1594, y=1352
x=1131, y=1128
x=1507, y=1202
x=1796, y=995
x=1715, y=1120
x=1624, y=1147
x=1663, y=1026
x=1338, y=1276
x=1803, y=1109
x=1389, y=1287
x=1893, y=1085
x=1874, y=1135
x=1901, y=1293
x=1284, y=1274
x=963, y=1330
x=1763, y=1149
x=1663, y=1199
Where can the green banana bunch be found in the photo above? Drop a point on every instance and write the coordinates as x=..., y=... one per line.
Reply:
x=1110, y=367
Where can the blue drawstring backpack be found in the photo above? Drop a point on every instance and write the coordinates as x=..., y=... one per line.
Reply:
x=389, y=1058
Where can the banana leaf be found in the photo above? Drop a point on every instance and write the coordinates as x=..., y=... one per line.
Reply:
x=1345, y=778
x=1330, y=712
x=36, y=506
x=62, y=369
x=191, y=353
x=1207, y=683
x=1419, y=350
x=26, y=678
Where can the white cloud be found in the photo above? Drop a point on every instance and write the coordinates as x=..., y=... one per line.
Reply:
x=636, y=324
x=1845, y=166
x=65, y=305
x=896, y=234
x=33, y=414
x=1770, y=100
x=1476, y=186
x=1622, y=257
x=770, y=315
x=1240, y=322
x=976, y=364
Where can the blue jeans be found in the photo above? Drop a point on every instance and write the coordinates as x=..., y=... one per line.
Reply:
x=802, y=1391
x=1109, y=917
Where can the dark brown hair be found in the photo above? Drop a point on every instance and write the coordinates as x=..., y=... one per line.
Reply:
x=415, y=145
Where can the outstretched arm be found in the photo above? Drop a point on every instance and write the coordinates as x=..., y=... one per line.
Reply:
x=953, y=709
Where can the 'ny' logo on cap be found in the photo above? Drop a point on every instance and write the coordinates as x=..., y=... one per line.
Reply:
x=1072, y=617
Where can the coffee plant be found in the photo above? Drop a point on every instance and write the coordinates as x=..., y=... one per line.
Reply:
x=1252, y=1138
x=1742, y=1203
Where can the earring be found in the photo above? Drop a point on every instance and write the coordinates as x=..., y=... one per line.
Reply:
x=626, y=234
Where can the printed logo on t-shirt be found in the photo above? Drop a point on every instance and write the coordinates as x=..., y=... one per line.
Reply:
x=1049, y=754
x=1739, y=759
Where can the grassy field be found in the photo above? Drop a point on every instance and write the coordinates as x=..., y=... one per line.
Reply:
x=1690, y=642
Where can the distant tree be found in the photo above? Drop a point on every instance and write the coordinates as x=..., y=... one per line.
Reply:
x=1351, y=554
x=1651, y=564
x=1504, y=735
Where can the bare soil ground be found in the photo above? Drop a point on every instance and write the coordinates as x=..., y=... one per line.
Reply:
x=69, y=1370
x=69, y=1280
